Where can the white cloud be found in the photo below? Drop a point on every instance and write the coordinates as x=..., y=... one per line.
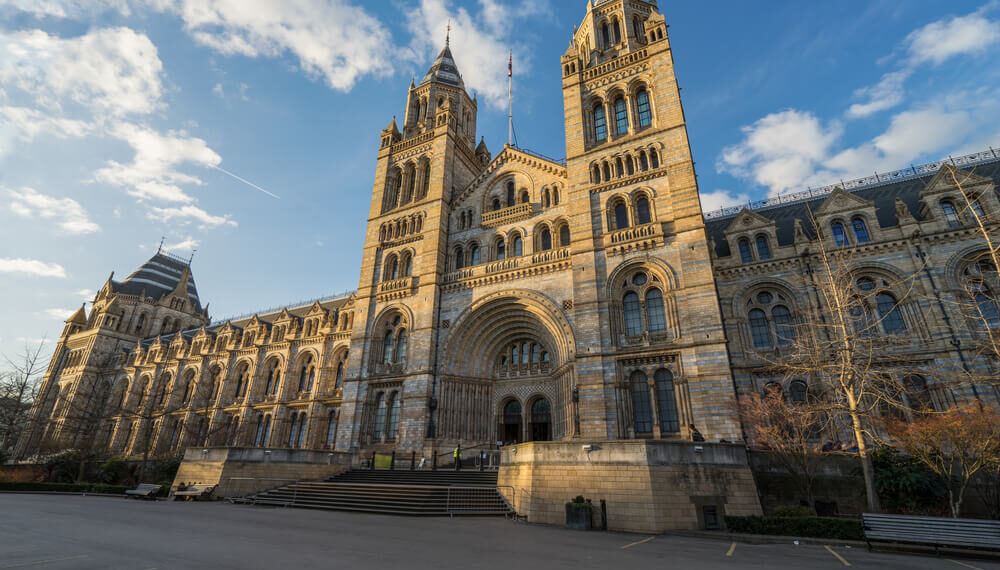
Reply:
x=885, y=94
x=31, y=267
x=60, y=314
x=111, y=71
x=153, y=173
x=69, y=215
x=193, y=212
x=480, y=42
x=33, y=340
x=218, y=91
x=711, y=201
x=66, y=8
x=960, y=35
x=331, y=39
x=29, y=123
x=85, y=293
x=187, y=244
x=781, y=150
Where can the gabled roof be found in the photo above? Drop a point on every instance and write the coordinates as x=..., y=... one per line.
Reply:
x=158, y=276
x=444, y=70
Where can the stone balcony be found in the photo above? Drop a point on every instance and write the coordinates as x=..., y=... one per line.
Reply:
x=507, y=215
x=395, y=289
x=634, y=238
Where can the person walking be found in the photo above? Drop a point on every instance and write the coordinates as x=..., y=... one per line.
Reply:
x=458, y=457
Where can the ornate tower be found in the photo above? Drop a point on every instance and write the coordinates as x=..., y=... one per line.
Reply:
x=646, y=310
x=390, y=375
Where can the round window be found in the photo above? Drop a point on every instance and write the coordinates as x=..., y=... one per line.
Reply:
x=764, y=298
x=639, y=279
x=866, y=284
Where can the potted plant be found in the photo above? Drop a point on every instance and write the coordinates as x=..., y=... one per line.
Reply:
x=578, y=514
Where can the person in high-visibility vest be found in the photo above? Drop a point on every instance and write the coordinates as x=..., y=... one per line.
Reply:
x=458, y=457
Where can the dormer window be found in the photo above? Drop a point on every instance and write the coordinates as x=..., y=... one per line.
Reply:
x=763, y=250
x=860, y=230
x=950, y=214
x=746, y=255
x=839, y=235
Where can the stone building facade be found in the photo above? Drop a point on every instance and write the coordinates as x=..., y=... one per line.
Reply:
x=506, y=298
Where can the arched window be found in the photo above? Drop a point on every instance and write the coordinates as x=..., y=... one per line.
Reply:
x=340, y=375
x=401, y=347
x=621, y=117
x=950, y=214
x=746, y=256
x=656, y=318
x=380, y=409
x=621, y=216
x=642, y=211
x=989, y=315
x=641, y=411
x=976, y=206
x=643, y=161
x=511, y=200
x=617, y=31
x=387, y=344
x=763, y=250
x=666, y=401
x=564, y=236
x=629, y=165
x=331, y=429
x=459, y=258
x=426, y=179
x=654, y=159
x=600, y=127
x=633, y=315
x=839, y=235
x=501, y=249
x=407, y=265
x=759, y=331
x=303, y=425
x=917, y=395
x=860, y=230
x=783, y=329
x=392, y=269
x=525, y=197
x=546, y=239
x=555, y=196
x=619, y=168
x=607, y=171
x=534, y=353
x=595, y=174
x=187, y=390
x=642, y=105
x=141, y=322
x=797, y=390
x=888, y=310
x=606, y=35
x=496, y=204
x=517, y=246
x=293, y=430
x=474, y=255
x=546, y=199
x=258, y=438
x=393, y=416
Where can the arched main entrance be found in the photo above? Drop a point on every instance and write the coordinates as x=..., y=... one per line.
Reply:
x=541, y=420
x=511, y=422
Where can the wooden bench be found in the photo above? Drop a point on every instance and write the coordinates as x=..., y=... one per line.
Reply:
x=144, y=491
x=933, y=531
x=194, y=492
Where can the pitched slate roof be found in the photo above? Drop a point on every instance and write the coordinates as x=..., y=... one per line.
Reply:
x=444, y=70
x=884, y=197
x=159, y=276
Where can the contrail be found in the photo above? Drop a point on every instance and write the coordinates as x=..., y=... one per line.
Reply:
x=245, y=181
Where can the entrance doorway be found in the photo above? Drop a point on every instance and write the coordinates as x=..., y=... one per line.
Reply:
x=541, y=420
x=512, y=422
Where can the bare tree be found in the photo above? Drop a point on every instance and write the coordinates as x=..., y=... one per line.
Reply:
x=18, y=388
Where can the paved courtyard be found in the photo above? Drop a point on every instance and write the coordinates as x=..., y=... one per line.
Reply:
x=74, y=532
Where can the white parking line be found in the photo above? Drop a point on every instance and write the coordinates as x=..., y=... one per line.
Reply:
x=839, y=557
x=630, y=545
x=964, y=564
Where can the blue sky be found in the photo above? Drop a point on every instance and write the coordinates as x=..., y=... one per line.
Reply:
x=120, y=119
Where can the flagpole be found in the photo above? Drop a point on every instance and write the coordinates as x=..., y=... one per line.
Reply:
x=510, y=105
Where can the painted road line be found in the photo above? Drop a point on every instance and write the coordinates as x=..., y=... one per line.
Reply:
x=839, y=557
x=647, y=539
x=964, y=564
x=23, y=564
x=732, y=549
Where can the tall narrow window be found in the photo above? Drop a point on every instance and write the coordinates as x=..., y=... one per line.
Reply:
x=618, y=34
x=407, y=265
x=331, y=429
x=267, y=429
x=654, y=159
x=746, y=256
x=387, y=344
x=606, y=35
x=640, y=403
x=621, y=216
x=642, y=210
x=619, y=168
x=401, y=347
x=656, y=318
x=642, y=104
x=379, y=415
x=600, y=126
x=629, y=165
x=839, y=235
x=976, y=206
x=426, y=180
x=643, y=161
x=517, y=247
x=564, y=236
x=501, y=249
x=798, y=391
x=763, y=249
x=621, y=117
x=950, y=214
x=546, y=239
x=459, y=258
x=666, y=401
x=860, y=230
x=534, y=353
x=783, y=328
x=393, y=428
x=633, y=314
x=340, y=374
x=888, y=311
x=989, y=315
x=260, y=431
x=759, y=331
x=474, y=255
x=303, y=430
x=292, y=430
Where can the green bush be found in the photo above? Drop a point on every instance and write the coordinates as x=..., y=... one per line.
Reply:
x=794, y=511
x=63, y=487
x=112, y=471
x=904, y=485
x=579, y=502
x=814, y=527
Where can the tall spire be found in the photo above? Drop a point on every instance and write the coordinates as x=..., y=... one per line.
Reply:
x=447, y=34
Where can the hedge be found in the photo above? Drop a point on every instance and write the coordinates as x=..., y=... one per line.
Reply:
x=814, y=527
x=64, y=487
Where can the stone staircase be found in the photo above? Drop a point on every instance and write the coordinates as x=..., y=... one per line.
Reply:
x=428, y=493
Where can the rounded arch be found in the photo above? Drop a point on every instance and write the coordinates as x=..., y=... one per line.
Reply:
x=753, y=287
x=659, y=268
x=488, y=324
x=959, y=261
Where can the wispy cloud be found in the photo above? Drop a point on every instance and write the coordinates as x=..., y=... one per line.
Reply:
x=186, y=244
x=67, y=213
x=195, y=213
x=60, y=314
x=31, y=267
